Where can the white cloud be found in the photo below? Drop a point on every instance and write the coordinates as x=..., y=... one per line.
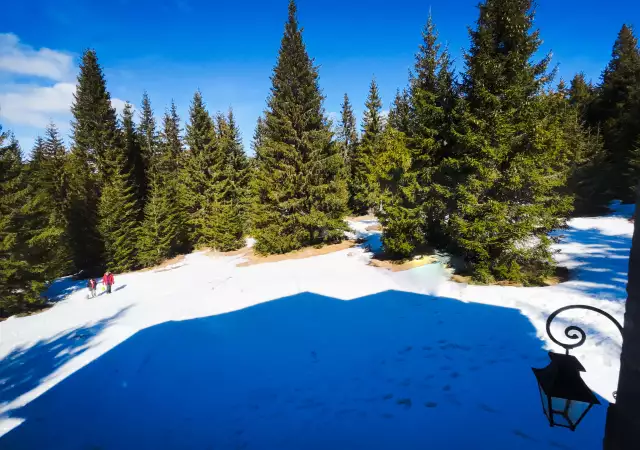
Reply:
x=22, y=59
x=36, y=106
x=119, y=105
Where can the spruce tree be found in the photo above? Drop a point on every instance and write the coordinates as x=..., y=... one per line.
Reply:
x=617, y=109
x=228, y=213
x=119, y=213
x=347, y=134
x=200, y=173
x=299, y=195
x=509, y=168
x=148, y=138
x=364, y=195
x=96, y=144
x=581, y=95
x=135, y=163
x=22, y=276
x=162, y=234
x=347, y=137
x=400, y=112
x=94, y=126
x=49, y=185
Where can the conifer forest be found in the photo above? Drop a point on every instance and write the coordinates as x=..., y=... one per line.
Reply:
x=480, y=162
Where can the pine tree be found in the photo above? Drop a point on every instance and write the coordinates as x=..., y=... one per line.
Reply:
x=299, y=194
x=347, y=138
x=93, y=154
x=347, y=134
x=400, y=112
x=617, y=109
x=200, y=172
x=135, y=163
x=364, y=184
x=508, y=162
x=162, y=234
x=22, y=277
x=94, y=126
x=581, y=95
x=148, y=138
x=400, y=213
x=228, y=213
x=49, y=185
x=119, y=213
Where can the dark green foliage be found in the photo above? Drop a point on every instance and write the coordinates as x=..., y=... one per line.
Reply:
x=94, y=125
x=135, y=163
x=363, y=182
x=49, y=185
x=118, y=213
x=86, y=243
x=509, y=163
x=581, y=95
x=347, y=134
x=230, y=205
x=200, y=173
x=400, y=112
x=163, y=232
x=22, y=274
x=299, y=195
x=400, y=211
x=93, y=161
x=617, y=110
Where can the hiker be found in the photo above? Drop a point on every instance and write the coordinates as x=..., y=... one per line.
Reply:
x=92, y=285
x=108, y=281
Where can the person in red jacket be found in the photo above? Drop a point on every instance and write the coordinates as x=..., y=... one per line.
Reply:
x=108, y=281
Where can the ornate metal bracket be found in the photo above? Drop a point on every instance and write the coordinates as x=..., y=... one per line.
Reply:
x=573, y=332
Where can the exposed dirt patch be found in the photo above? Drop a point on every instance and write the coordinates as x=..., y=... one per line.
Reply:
x=399, y=266
x=165, y=264
x=253, y=258
x=561, y=275
x=376, y=227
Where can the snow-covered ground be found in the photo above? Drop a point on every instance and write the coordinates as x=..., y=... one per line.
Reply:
x=325, y=352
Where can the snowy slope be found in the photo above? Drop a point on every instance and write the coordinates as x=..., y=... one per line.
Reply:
x=324, y=352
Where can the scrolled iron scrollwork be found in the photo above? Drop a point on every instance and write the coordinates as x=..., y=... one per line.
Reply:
x=574, y=332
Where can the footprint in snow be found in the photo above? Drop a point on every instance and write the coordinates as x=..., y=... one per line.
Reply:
x=431, y=404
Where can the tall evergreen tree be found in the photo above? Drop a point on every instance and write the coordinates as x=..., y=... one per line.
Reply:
x=94, y=150
x=94, y=125
x=119, y=213
x=22, y=276
x=363, y=162
x=347, y=138
x=581, y=94
x=299, y=194
x=508, y=164
x=135, y=163
x=162, y=234
x=617, y=109
x=347, y=132
x=200, y=172
x=400, y=112
x=148, y=137
x=228, y=214
x=49, y=185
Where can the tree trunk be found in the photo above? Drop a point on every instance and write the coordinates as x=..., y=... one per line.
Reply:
x=623, y=419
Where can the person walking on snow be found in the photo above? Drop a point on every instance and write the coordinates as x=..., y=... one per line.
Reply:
x=92, y=285
x=108, y=281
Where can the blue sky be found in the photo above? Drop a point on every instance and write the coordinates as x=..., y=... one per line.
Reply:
x=228, y=49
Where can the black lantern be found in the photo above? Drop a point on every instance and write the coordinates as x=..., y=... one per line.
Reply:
x=566, y=398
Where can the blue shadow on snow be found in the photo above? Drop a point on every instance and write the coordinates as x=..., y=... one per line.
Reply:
x=393, y=370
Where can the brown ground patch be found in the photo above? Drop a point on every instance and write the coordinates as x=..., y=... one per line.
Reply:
x=253, y=259
x=361, y=218
x=561, y=276
x=376, y=227
x=396, y=266
x=164, y=264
